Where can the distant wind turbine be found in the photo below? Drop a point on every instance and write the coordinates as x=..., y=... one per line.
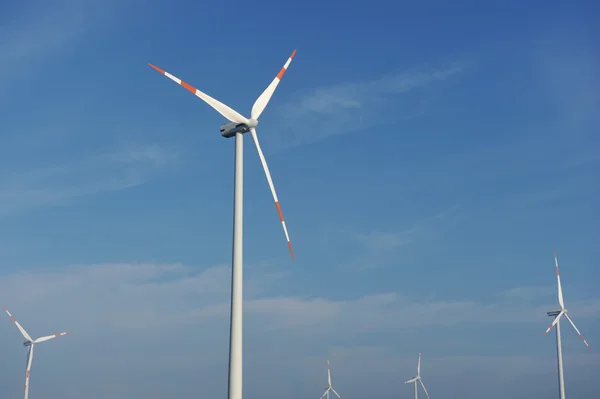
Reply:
x=418, y=379
x=557, y=314
x=329, y=387
x=29, y=343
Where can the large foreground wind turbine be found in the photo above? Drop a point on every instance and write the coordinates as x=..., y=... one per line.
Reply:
x=557, y=314
x=237, y=128
x=418, y=379
x=329, y=387
x=30, y=344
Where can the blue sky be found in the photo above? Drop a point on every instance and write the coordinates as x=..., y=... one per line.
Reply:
x=429, y=158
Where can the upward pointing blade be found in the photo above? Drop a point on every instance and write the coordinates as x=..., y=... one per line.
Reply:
x=560, y=294
x=419, y=366
x=23, y=332
x=328, y=374
x=262, y=101
x=268, y=174
x=229, y=113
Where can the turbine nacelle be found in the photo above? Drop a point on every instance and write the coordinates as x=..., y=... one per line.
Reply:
x=27, y=343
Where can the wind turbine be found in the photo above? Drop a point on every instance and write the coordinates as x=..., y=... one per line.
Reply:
x=557, y=314
x=238, y=126
x=30, y=344
x=418, y=379
x=329, y=387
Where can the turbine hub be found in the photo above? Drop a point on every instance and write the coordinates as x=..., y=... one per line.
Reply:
x=252, y=123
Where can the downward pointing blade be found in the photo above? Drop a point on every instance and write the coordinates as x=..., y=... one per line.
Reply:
x=425, y=389
x=560, y=294
x=262, y=101
x=580, y=335
x=554, y=322
x=336, y=394
x=328, y=389
x=268, y=174
x=411, y=380
x=28, y=370
x=21, y=329
x=49, y=337
x=229, y=113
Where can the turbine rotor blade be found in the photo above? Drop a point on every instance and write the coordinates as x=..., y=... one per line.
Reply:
x=28, y=370
x=262, y=101
x=325, y=392
x=580, y=335
x=560, y=294
x=328, y=373
x=49, y=337
x=554, y=322
x=268, y=174
x=411, y=380
x=419, y=366
x=229, y=113
x=337, y=394
x=21, y=329
x=425, y=389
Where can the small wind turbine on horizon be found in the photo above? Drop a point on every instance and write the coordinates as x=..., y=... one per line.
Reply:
x=417, y=379
x=329, y=387
x=238, y=126
x=557, y=314
x=29, y=343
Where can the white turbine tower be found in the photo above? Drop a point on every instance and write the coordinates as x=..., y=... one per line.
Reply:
x=30, y=343
x=237, y=128
x=557, y=314
x=329, y=387
x=418, y=379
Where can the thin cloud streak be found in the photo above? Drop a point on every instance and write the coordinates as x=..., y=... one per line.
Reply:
x=343, y=108
x=54, y=185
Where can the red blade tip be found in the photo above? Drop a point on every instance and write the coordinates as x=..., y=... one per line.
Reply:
x=157, y=68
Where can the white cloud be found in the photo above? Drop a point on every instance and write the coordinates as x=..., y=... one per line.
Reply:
x=165, y=326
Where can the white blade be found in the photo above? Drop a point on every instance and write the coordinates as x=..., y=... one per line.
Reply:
x=560, y=294
x=580, y=335
x=229, y=113
x=23, y=332
x=328, y=374
x=325, y=392
x=268, y=174
x=554, y=322
x=425, y=389
x=28, y=371
x=419, y=366
x=262, y=101
x=42, y=339
x=411, y=380
x=334, y=391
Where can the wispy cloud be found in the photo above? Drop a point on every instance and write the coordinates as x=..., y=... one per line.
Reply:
x=369, y=248
x=57, y=184
x=43, y=28
x=342, y=108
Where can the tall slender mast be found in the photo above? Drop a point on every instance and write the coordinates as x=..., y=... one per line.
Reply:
x=561, y=376
x=235, y=332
